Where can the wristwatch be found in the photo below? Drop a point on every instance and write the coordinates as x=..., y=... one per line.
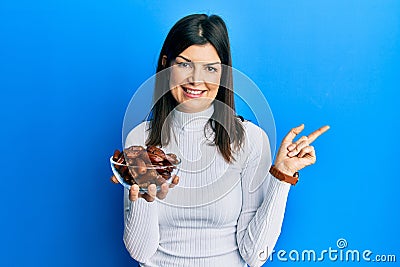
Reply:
x=284, y=177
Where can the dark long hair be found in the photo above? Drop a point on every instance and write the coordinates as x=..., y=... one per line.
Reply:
x=197, y=29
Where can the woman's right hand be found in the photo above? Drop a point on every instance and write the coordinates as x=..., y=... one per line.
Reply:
x=152, y=193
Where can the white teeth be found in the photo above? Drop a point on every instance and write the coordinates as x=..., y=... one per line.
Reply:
x=193, y=92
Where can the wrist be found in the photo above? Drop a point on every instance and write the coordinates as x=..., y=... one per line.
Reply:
x=291, y=179
x=282, y=168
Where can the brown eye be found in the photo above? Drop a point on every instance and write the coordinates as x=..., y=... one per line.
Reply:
x=211, y=69
x=184, y=65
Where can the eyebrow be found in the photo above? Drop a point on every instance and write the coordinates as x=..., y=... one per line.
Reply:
x=188, y=60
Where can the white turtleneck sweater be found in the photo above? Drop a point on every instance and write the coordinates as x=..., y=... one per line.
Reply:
x=219, y=214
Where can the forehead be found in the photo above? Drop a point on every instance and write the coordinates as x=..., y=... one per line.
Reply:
x=204, y=53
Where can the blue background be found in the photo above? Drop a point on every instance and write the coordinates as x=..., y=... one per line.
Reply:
x=69, y=68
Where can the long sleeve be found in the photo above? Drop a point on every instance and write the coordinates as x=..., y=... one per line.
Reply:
x=264, y=201
x=141, y=230
x=228, y=230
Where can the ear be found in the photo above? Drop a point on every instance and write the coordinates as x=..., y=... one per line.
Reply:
x=164, y=60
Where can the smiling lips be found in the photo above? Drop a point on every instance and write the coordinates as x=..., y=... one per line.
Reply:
x=192, y=93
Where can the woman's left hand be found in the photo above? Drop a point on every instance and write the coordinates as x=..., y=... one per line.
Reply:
x=294, y=156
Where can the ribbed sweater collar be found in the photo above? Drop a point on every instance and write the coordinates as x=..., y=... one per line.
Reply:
x=196, y=120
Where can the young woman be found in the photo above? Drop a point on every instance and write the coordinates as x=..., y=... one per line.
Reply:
x=230, y=201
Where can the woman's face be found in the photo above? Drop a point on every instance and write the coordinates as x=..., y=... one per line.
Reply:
x=195, y=77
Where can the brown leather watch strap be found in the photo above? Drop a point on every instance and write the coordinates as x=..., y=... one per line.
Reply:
x=284, y=177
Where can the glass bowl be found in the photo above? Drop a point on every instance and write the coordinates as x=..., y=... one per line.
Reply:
x=144, y=174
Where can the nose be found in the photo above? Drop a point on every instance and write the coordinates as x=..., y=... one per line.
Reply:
x=196, y=76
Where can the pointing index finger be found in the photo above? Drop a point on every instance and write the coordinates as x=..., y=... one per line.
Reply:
x=314, y=135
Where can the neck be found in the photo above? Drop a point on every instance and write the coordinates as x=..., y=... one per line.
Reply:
x=192, y=119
